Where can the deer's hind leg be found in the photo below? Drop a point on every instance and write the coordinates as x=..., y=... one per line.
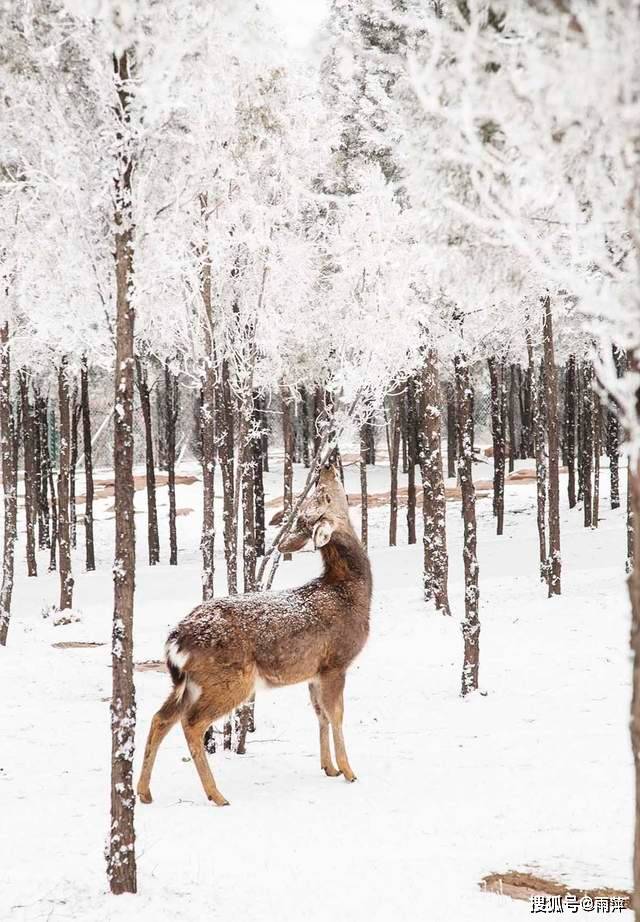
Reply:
x=331, y=699
x=217, y=696
x=326, y=762
x=162, y=722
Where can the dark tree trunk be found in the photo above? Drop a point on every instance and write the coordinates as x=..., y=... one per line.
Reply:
x=587, y=442
x=631, y=522
x=153, y=538
x=64, y=518
x=121, y=858
x=536, y=391
x=524, y=398
x=613, y=452
x=171, y=396
x=364, y=494
x=404, y=448
x=88, y=466
x=304, y=412
x=435, y=558
x=258, y=478
x=498, y=429
x=393, y=443
x=9, y=482
x=48, y=473
x=570, y=427
x=73, y=463
x=30, y=474
x=551, y=400
x=44, y=517
x=264, y=429
x=597, y=451
x=208, y=415
x=225, y=445
x=287, y=445
x=370, y=440
x=412, y=459
x=319, y=417
x=511, y=415
x=471, y=623
x=452, y=453
x=248, y=497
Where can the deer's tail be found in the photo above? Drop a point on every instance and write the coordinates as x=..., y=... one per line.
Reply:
x=176, y=661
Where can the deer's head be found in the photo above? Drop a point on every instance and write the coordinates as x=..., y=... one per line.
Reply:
x=320, y=515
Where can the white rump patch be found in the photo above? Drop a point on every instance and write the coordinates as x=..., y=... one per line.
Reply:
x=176, y=655
x=193, y=690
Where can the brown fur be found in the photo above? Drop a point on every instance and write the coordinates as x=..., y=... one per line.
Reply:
x=311, y=633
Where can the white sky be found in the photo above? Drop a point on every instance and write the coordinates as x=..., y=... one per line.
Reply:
x=301, y=18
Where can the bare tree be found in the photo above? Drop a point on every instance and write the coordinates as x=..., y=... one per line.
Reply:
x=121, y=858
x=64, y=512
x=88, y=465
x=471, y=623
x=9, y=482
x=551, y=398
x=153, y=537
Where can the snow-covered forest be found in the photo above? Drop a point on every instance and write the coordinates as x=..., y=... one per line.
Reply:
x=320, y=321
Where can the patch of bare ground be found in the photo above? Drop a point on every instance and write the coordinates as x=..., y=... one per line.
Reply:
x=522, y=885
x=106, y=488
x=76, y=644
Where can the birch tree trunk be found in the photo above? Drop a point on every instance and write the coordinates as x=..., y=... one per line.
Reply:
x=435, y=558
x=88, y=466
x=64, y=519
x=121, y=858
x=471, y=622
x=9, y=483
x=551, y=399
x=153, y=537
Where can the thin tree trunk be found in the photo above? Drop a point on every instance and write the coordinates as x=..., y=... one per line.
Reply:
x=587, y=442
x=471, y=623
x=153, y=537
x=511, y=416
x=597, y=451
x=570, y=427
x=88, y=466
x=498, y=429
x=64, y=518
x=538, y=427
x=364, y=495
x=412, y=459
x=258, y=474
x=304, y=412
x=208, y=414
x=171, y=396
x=631, y=521
x=451, y=431
x=393, y=444
x=42, y=504
x=264, y=430
x=287, y=445
x=28, y=444
x=404, y=448
x=225, y=445
x=46, y=455
x=613, y=452
x=633, y=488
x=524, y=397
x=73, y=463
x=551, y=399
x=121, y=859
x=9, y=482
x=436, y=561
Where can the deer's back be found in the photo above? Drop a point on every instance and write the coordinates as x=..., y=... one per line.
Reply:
x=290, y=636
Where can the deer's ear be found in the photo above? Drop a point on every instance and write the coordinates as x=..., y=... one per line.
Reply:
x=322, y=534
x=294, y=541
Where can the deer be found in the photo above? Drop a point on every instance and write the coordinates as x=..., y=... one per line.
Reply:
x=225, y=647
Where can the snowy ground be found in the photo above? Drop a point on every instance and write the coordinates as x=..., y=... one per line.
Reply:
x=535, y=773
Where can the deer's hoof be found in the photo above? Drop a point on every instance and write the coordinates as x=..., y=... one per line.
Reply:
x=220, y=801
x=330, y=771
x=350, y=777
x=145, y=797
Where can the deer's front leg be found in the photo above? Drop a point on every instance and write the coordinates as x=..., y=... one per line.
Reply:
x=326, y=762
x=331, y=700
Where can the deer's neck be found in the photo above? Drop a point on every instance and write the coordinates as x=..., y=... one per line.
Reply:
x=346, y=560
